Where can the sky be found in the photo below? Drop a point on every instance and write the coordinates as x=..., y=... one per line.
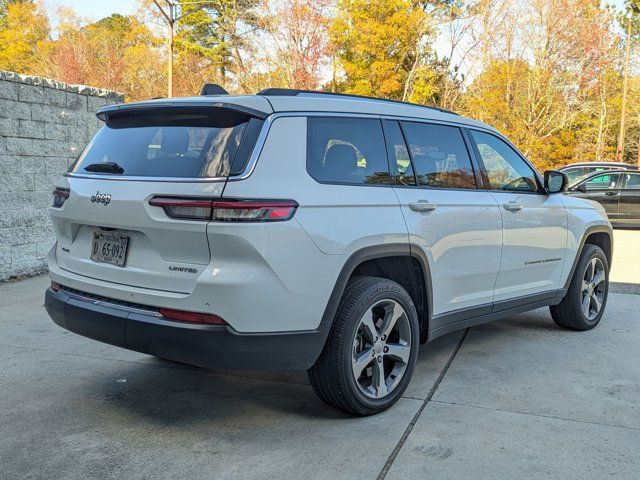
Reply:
x=97, y=9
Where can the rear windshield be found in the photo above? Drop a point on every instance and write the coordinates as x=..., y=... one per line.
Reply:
x=187, y=147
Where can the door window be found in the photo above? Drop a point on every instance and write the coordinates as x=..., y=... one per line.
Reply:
x=439, y=156
x=399, y=161
x=606, y=181
x=506, y=170
x=346, y=150
x=633, y=181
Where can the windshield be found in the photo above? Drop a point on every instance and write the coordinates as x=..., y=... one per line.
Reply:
x=184, y=148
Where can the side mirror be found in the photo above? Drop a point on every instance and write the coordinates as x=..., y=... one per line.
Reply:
x=555, y=182
x=582, y=188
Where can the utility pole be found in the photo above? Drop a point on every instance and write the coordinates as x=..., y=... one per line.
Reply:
x=625, y=84
x=170, y=13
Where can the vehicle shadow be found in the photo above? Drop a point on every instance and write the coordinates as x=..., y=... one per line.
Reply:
x=166, y=393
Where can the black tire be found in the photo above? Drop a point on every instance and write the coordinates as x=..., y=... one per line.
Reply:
x=569, y=313
x=332, y=376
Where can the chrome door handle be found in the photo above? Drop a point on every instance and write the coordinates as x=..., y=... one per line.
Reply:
x=512, y=206
x=422, y=206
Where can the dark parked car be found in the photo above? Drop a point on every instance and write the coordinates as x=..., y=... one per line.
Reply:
x=576, y=171
x=617, y=190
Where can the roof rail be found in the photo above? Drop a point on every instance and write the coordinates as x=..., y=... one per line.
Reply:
x=290, y=92
x=213, y=89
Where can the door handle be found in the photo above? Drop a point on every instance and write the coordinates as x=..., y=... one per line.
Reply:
x=422, y=206
x=512, y=206
x=612, y=194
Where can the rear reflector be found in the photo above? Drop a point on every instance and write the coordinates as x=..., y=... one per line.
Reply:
x=228, y=210
x=59, y=197
x=55, y=286
x=191, y=317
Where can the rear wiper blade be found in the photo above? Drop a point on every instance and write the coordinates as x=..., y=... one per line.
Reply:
x=106, y=167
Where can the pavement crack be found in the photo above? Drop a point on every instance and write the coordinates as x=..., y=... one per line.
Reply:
x=414, y=420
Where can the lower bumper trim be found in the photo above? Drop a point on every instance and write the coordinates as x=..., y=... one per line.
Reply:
x=210, y=346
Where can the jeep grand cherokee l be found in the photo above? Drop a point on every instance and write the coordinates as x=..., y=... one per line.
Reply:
x=294, y=229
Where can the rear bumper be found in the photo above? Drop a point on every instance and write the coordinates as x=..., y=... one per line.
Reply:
x=202, y=345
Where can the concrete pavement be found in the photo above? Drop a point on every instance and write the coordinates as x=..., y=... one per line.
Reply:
x=517, y=398
x=625, y=268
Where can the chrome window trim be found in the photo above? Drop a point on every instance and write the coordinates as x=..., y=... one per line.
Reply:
x=262, y=137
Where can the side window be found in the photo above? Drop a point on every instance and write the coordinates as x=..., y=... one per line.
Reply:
x=505, y=168
x=606, y=181
x=575, y=173
x=439, y=155
x=346, y=150
x=633, y=181
x=399, y=161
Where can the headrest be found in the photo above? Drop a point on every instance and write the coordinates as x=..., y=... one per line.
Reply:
x=340, y=161
x=175, y=140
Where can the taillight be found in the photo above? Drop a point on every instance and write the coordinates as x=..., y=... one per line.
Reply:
x=59, y=196
x=55, y=286
x=228, y=210
x=253, y=210
x=191, y=317
x=184, y=208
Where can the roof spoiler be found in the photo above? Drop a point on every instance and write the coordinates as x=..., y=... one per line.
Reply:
x=165, y=110
x=213, y=89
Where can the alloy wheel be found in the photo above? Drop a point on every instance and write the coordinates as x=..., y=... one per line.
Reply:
x=381, y=348
x=593, y=289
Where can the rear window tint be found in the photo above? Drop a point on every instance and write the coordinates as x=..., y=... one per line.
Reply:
x=346, y=150
x=439, y=155
x=185, y=148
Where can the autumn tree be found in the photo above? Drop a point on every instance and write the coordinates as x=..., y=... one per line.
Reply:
x=541, y=84
x=24, y=31
x=295, y=43
x=385, y=48
x=118, y=52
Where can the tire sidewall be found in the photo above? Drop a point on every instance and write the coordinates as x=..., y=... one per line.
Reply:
x=592, y=252
x=385, y=290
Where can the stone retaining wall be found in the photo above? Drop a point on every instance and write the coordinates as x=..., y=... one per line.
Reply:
x=43, y=126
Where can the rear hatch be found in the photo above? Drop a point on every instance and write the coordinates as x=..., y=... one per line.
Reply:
x=106, y=227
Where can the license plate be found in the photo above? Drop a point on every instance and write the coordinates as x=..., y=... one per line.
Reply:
x=109, y=247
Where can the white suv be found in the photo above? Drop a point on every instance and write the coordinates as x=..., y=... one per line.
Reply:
x=294, y=229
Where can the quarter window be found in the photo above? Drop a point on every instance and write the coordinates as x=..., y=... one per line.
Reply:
x=439, y=155
x=633, y=181
x=506, y=170
x=346, y=150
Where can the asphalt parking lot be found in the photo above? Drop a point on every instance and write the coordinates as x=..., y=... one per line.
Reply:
x=517, y=398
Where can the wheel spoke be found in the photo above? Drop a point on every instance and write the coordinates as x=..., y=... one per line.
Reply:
x=361, y=361
x=399, y=351
x=585, y=286
x=598, y=278
x=379, y=381
x=392, y=313
x=591, y=271
x=369, y=327
x=597, y=303
x=586, y=305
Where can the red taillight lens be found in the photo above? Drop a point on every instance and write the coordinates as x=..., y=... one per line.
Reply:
x=59, y=197
x=55, y=286
x=184, y=208
x=191, y=317
x=253, y=210
x=231, y=210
